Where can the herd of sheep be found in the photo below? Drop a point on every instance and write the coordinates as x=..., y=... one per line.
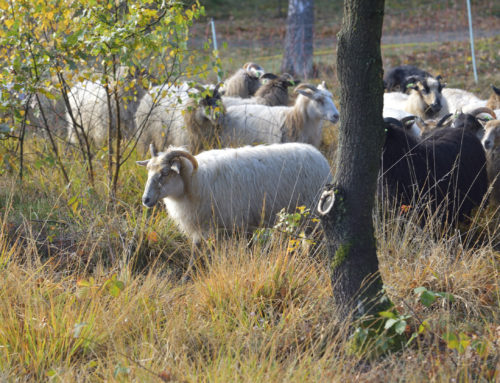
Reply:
x=433, y=150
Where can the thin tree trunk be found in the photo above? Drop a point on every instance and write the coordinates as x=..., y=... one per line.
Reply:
x=51, y=139
x=298, y=54
x=348, y=225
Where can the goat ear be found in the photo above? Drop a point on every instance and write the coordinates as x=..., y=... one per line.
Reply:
x=142, y=163
x=495, y=89
x=439, y=77
x=176, y=166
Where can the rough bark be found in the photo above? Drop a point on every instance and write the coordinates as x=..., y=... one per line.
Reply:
x=349, y=225
x=298, y=54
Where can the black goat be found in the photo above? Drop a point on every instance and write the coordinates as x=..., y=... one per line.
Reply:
x=447, y=169
x=396, y=79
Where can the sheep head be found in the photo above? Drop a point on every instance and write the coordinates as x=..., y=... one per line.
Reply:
x=253, y=70
x=274, y=90
x=168, y=174
x=322, y=105
x=491, y=139
x=201, y=118
x=428, y=91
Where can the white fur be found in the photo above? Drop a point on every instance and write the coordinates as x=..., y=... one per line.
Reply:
x=459, y=99
x=257, y=124
x=89, y=106
x=160, y=117
x=414, y=103
x=237, y=189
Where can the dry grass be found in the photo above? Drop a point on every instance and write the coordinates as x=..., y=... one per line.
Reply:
x=101, y=298
x=93, y=292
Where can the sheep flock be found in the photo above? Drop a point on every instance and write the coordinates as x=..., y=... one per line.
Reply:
x=441, y=145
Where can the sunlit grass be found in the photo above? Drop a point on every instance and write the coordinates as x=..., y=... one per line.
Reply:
x=93, y=291
x=102, y=295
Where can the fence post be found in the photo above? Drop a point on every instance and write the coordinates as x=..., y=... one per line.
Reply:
x=471, y=34
x=214, y=37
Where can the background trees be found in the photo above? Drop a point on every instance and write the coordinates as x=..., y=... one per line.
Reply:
x=298, y=52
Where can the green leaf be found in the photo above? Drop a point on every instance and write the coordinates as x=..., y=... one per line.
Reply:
x=451, y=340
x=449, y=297
x=400, y=327
x=390, y=322
x=387, y=314
x=419, y=290
x=423, y=327
x=427, y=298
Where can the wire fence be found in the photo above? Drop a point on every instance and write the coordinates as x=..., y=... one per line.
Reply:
x=418, y=23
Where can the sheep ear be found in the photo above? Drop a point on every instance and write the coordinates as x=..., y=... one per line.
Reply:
x=142, y=163
x=495, y=89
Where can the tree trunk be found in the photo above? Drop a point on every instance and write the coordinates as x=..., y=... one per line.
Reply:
x=298, y=55
x=348, y=225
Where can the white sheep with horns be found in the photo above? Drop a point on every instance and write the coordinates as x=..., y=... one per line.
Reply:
x=302, y=122
x=235, y=189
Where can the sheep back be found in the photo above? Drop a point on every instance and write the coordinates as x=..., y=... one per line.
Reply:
x=244, y=188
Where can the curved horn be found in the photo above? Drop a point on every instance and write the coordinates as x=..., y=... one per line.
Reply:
x=443, y=119
x=181, y=153
x=407, y=119
x=489, y=111
x=306, y=86
x=153, y=150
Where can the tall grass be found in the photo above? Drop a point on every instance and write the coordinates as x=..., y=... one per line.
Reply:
x=93, y=293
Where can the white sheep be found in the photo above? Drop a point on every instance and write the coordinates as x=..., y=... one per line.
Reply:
x=234, y=189
x=89, y=109
x=302, y=122
x=425, y=99
x=172, y=117
x=245, y=82
x=460, y=100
